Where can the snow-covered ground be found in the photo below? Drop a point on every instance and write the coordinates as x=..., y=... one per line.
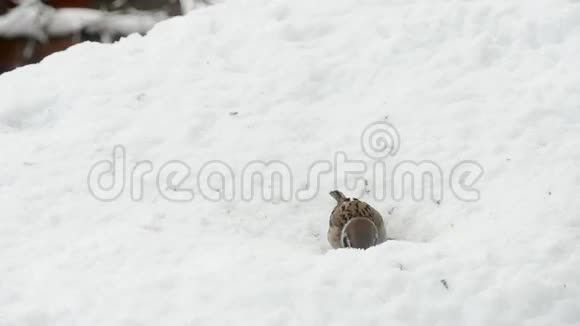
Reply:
x=297, y=81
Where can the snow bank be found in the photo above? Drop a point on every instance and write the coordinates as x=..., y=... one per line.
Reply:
x=298, y=81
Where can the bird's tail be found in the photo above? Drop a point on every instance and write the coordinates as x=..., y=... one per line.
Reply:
x=338, y=196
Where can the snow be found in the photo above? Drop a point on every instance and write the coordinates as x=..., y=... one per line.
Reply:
x=26, y=19
x=39, y=21
x=492, y=82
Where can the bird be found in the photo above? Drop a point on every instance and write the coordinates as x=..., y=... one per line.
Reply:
x=354, y=224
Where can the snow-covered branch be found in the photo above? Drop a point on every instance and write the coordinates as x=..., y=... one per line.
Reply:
x=33, y=19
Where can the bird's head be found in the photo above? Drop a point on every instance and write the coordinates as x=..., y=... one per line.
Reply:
x=360, y=233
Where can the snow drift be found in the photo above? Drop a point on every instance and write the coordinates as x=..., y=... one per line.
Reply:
x=298, y=81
